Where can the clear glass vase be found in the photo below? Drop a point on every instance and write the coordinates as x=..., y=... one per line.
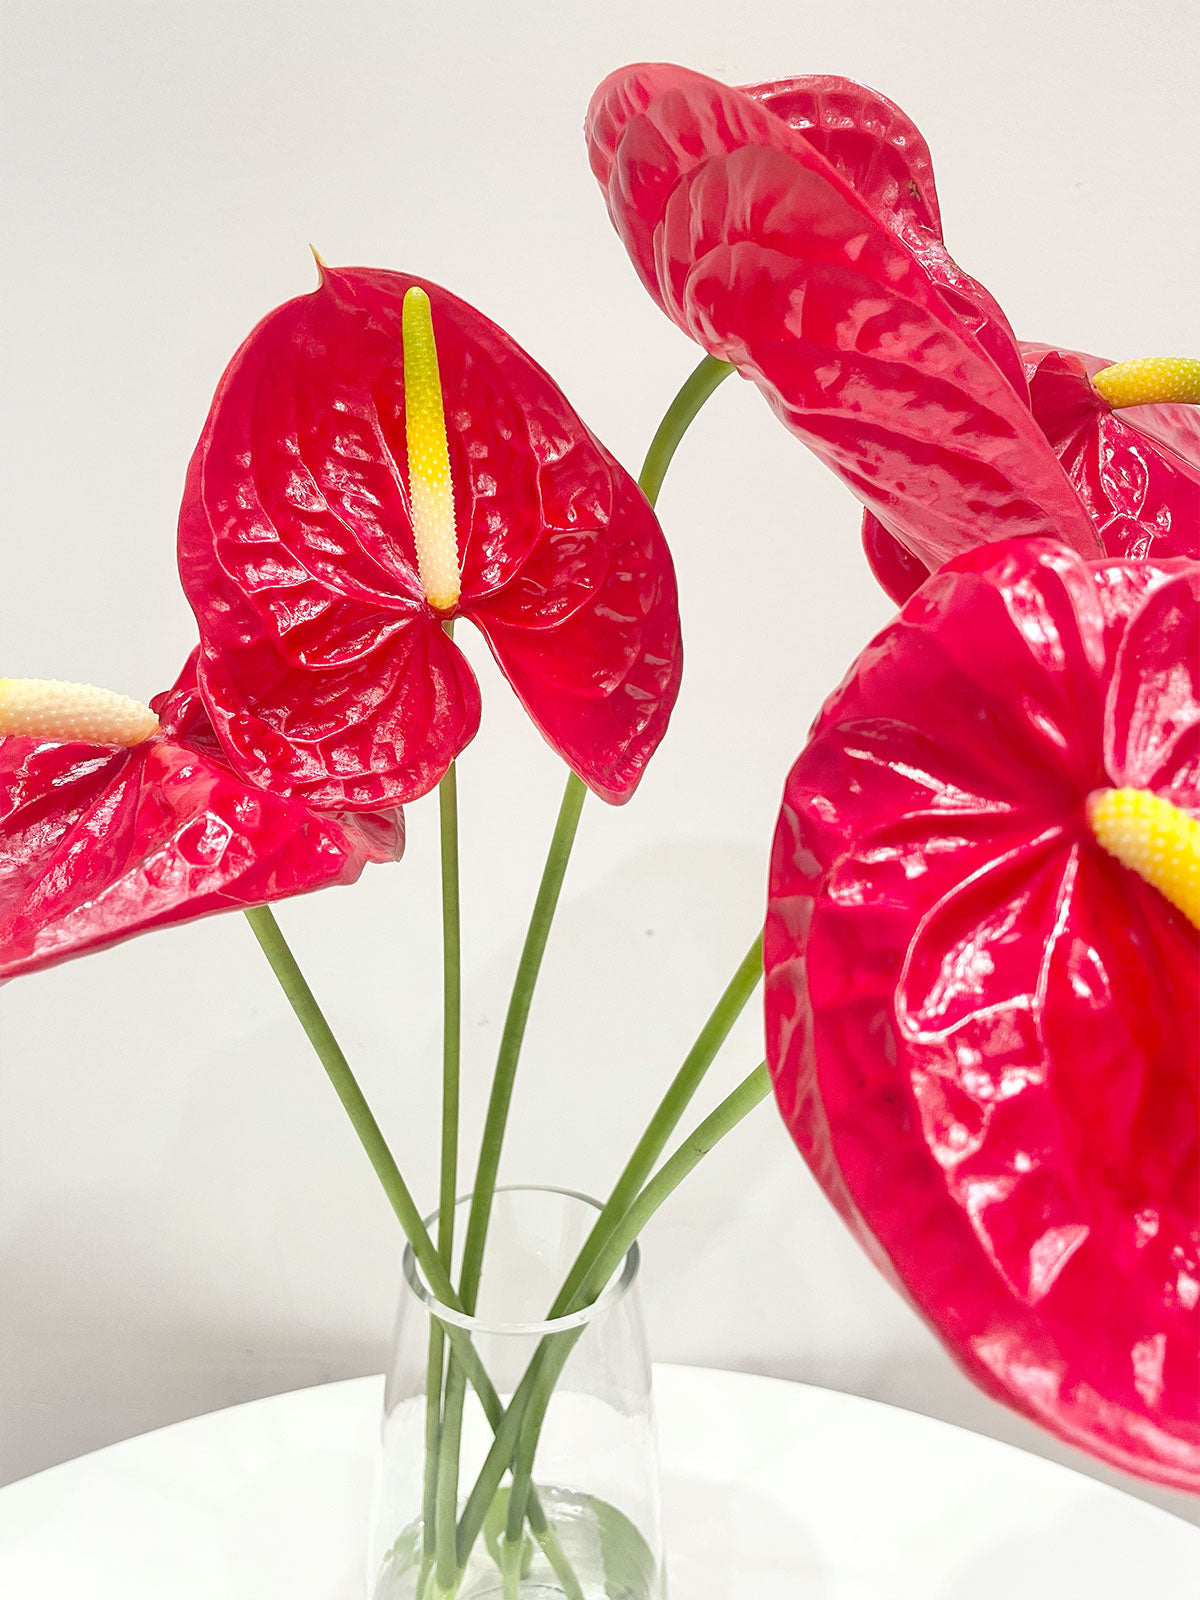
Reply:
x=592, y=1526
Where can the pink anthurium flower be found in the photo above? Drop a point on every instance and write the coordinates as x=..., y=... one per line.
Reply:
x=325, y=661
x=793, y=229
x=100, y=840
x=981, y=1024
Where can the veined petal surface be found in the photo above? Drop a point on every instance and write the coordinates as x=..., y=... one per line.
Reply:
x=983, y=1029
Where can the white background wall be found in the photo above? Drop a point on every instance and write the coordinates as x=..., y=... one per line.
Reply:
x=184, y=1219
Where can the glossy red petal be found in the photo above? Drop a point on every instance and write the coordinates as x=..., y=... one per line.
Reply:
x=98, y=844
x=353, y=738
x=983, y=1029
x=587, y=633
x=760, y=250
x=1137, y=471
x=327, y=673
x=867, y=138
x=881, y=154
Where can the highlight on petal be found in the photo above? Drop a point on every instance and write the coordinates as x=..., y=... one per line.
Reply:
x=982, y=1026
x=99, y=843
x=866, y=340
x=430, y=490
x=1155, y=839
x=324, y=665
x=48, y=708
x=882, y=155
x=1151, y=380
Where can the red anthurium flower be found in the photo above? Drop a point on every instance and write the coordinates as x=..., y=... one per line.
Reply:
x=325, y=664
x=793, y=230
x=983, y=1027
x=99, y=841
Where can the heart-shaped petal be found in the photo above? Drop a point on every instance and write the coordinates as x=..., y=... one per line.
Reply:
x=869, y=344
x=98, y=843
x=326, y=670
x=983, y=1028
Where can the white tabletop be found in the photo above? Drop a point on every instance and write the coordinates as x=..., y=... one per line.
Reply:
x=773, y=1491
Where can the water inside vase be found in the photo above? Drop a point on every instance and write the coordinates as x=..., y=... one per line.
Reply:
x=608, y=1557
x=595, y=1469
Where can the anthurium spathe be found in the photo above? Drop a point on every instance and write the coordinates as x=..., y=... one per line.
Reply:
x=793, y=229
x=804, y=247
x=1134, y=466
x=982, y=1024
x=326, y=663
x=145, y=824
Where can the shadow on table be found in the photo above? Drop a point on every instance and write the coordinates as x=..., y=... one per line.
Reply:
x=739, y=1543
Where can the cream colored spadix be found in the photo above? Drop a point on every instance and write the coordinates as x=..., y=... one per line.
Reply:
x=430, y=489
x=1154, y=380
x=46, y=708
x=1153, y=838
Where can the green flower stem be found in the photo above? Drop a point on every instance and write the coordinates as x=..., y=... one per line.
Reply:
x=435, y=1363
x=513, y=1036
x=732, y=1110
x=641, y=1163
x=451, y=1015
x=499, y=1104
x=703, y=380
x=294, y=985
x=526, y=1409
x=694, y=392
x=448, y=1187
x=664, y=1121
x=312, y=1019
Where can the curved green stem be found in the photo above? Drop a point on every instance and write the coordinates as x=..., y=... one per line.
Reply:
x=526, y=1410
x=678, y=418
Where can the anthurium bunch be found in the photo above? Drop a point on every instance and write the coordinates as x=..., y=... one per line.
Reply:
x=981, y=938
x=982, y=1025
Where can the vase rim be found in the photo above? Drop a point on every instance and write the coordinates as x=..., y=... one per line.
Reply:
x=616, y=1288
